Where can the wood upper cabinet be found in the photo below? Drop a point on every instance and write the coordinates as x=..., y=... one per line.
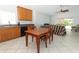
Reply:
x=9, y=33
x=24, y=14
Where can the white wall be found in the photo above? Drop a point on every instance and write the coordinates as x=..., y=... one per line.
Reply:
x=42, y=18
x=8, y=14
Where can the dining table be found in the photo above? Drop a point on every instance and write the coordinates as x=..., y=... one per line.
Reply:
x=37, y=33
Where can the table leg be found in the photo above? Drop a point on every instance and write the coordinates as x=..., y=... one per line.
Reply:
x=46, y=41
x=52, y=35
x=38, y=44
x=49, y=39
x=32, y=38
x=26, y=39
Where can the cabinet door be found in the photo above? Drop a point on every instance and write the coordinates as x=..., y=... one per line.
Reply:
x=6, y=34
x=28, y=14
x=10, y=33
x=21, y=13
x=17, y=32
x=14, y=32
x=2, y=35
x=24, y=14
x=1, y=38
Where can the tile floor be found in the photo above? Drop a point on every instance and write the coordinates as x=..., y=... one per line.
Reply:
x=61, y=44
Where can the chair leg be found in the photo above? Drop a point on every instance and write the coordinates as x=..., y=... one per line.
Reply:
x=32, y=38
x=46, y=42
x=49, y=41
x=49, y=38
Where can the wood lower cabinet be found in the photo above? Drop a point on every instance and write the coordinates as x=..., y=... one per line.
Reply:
x=9, y=33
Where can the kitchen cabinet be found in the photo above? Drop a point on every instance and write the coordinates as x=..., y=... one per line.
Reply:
x=24, y=14
x=9, y=33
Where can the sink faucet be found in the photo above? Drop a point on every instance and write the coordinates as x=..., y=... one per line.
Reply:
x=9, y=22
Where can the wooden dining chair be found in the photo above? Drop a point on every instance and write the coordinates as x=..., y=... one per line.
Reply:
x=45, y=39
x=49, y=34
x=31, y=27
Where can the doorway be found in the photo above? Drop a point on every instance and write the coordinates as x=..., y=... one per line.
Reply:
x=68, y=24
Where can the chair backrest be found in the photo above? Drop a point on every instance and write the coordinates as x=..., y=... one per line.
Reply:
x=46, y=24
x=31, y=26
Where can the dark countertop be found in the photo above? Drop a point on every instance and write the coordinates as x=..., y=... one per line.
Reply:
x=6, y=26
